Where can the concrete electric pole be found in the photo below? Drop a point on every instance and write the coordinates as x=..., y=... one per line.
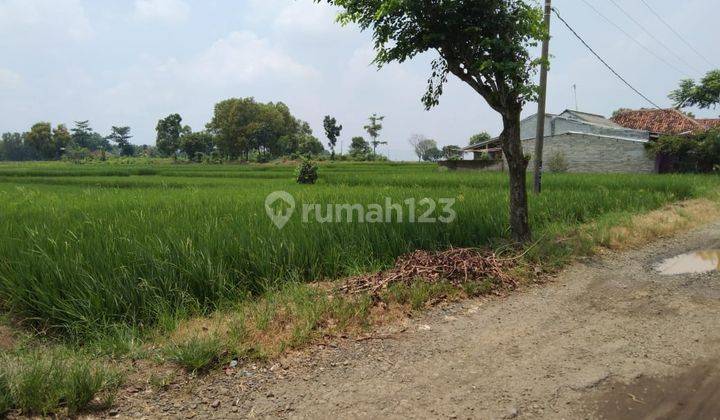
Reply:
x=540, y=134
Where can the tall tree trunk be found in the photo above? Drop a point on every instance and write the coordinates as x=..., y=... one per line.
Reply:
x=517, y=167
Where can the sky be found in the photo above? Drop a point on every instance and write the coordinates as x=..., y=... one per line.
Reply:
x=132, y=62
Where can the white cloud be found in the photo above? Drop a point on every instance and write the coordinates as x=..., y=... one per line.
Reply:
x=43, y=20
x=238, y=62
x=9, y=79
x=307, y=17
x=171, y=11
x=243, y=57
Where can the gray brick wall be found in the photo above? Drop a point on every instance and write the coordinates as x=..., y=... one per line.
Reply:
x=588, y=153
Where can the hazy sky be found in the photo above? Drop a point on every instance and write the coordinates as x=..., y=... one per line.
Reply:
x=131, y=62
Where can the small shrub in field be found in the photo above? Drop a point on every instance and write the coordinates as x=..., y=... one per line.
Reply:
x=306, y=172
x=558, y=163
x=196, y=354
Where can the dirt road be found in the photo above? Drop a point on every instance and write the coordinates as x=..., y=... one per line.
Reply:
x=609, y=338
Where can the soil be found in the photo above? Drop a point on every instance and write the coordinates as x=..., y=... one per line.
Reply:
x=607, y=338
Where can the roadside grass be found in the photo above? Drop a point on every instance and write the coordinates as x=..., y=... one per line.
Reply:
x=53, y=381
x=287, y=317
x=195, y=354
x=619, y=231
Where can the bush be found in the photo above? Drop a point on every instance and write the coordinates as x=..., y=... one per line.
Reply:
x=558, y=163
x=263, y=157
x=696, y=153
x=306, y=172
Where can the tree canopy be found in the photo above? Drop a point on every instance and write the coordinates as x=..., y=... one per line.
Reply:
x=373, y=129
x=243, y=126
x=121, y=137
x=332, y=132
x=85, y=137
x=705, y=94
x=195, y=145
x=425, y=149
x=169, y=130
x=479, y=138
x=359, y=148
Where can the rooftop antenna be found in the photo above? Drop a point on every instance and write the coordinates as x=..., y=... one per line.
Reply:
x=574, y=89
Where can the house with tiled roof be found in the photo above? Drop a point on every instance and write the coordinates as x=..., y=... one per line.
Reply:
x=709, y=122
x=663, y=122
x=586, y=143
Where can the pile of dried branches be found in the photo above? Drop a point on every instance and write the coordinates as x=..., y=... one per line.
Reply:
x=457, y=266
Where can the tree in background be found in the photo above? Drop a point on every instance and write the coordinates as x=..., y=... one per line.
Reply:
x=230, y=125
x=169, y=130
x=121, y=137
x=485, y=43
x=479, y=138
x=61, y=140
x=81, y=133
x=705, y=94
x=332, y=132
x=85, y=137
x=310, y=146
x=196, y=145
x=40, y=140
x=373, y=129
x=84, y=141
x=13, y=147
x=359, y=148
x=433, y=154
x=425, y=149
x=451, y=152
x=242, y=126
x=421, y=145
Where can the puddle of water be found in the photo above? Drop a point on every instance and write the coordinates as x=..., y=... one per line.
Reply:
x=691, y=263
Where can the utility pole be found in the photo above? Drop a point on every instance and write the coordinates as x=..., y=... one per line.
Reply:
x=540, y=133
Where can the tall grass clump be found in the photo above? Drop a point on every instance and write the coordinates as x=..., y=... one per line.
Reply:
x=112, y=251
x=51, y=381
x=195, y=354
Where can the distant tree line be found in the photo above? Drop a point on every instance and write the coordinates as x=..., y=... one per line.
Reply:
x=240, y=129
x=43, y=142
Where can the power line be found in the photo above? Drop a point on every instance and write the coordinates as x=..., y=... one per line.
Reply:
x=676, y=33
x=619, y=28
x=640, y=25
x=603, y=61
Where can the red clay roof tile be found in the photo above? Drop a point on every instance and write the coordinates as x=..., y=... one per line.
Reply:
x=662, y=121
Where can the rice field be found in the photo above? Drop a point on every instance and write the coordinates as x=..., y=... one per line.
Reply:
x=88, y=248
